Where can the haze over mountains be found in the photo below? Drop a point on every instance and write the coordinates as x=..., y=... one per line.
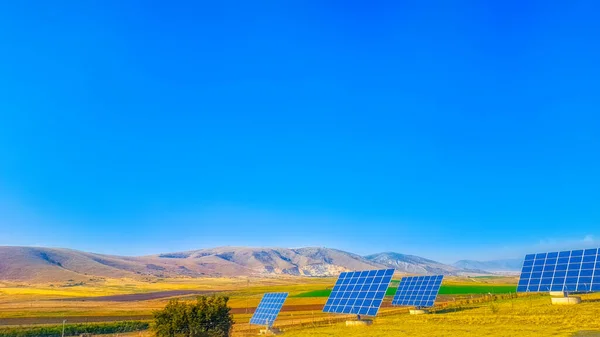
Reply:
x=496, y=266
x=42, y=265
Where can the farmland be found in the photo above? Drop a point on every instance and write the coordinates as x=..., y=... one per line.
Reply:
x=464, y=307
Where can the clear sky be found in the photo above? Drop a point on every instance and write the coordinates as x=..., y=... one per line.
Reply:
x=468, y=130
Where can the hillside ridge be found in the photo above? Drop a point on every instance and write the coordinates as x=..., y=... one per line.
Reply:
x=40, y=264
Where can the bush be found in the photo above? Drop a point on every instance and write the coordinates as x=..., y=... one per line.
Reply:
x=75, y=329
x=207, y=317
x=494, y=308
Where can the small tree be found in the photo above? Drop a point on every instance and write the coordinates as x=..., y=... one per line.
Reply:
x=207, y=317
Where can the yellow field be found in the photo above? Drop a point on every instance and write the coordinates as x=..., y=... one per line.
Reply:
x=17, y=300
x=523, y=316
x=46, y=301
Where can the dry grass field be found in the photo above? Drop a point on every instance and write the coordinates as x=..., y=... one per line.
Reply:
x=524, y=316
x=28, y=302
x=302, y=316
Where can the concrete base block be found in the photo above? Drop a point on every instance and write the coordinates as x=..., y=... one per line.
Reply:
x=566, y=300
x=418, y=311
x=362, y=322
x=270, y=332
x=557, y=293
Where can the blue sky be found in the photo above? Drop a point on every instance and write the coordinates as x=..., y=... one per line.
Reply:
x=463, y=130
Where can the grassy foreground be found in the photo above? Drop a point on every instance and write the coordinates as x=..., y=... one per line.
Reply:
x=524, y=316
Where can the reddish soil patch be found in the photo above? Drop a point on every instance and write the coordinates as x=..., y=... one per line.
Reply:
x=142, y=296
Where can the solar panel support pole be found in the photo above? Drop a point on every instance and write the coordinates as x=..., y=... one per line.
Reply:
x=270, y=330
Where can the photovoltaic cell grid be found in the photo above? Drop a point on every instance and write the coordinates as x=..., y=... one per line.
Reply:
x=418, y=291
x=359, y=292
x=576, y=270
x=268, y=309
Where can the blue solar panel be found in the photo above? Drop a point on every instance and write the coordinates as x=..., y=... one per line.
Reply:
x=418, y=291
x=268, y=309
x=569, y=271
x=359, y=292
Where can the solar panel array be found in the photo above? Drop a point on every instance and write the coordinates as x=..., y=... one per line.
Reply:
x=576, y=270
x=418, y=291
x=359, y=292
x=268, y=309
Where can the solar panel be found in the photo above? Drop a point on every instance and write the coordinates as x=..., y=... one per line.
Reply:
x=418, y=291
x=268, y=309
x=359, y=292
x=574, y=270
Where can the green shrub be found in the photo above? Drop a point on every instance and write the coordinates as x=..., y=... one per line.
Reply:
x=75, y=329
x=494, y=308
x=207, y=317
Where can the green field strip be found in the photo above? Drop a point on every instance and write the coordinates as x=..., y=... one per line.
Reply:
x=455, y=289
x=315, y=293
x=449, y=289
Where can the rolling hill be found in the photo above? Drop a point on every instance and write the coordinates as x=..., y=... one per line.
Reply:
x=412, y=264
x=46, y=265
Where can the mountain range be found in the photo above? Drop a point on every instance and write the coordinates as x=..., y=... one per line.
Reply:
x=42, y=265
